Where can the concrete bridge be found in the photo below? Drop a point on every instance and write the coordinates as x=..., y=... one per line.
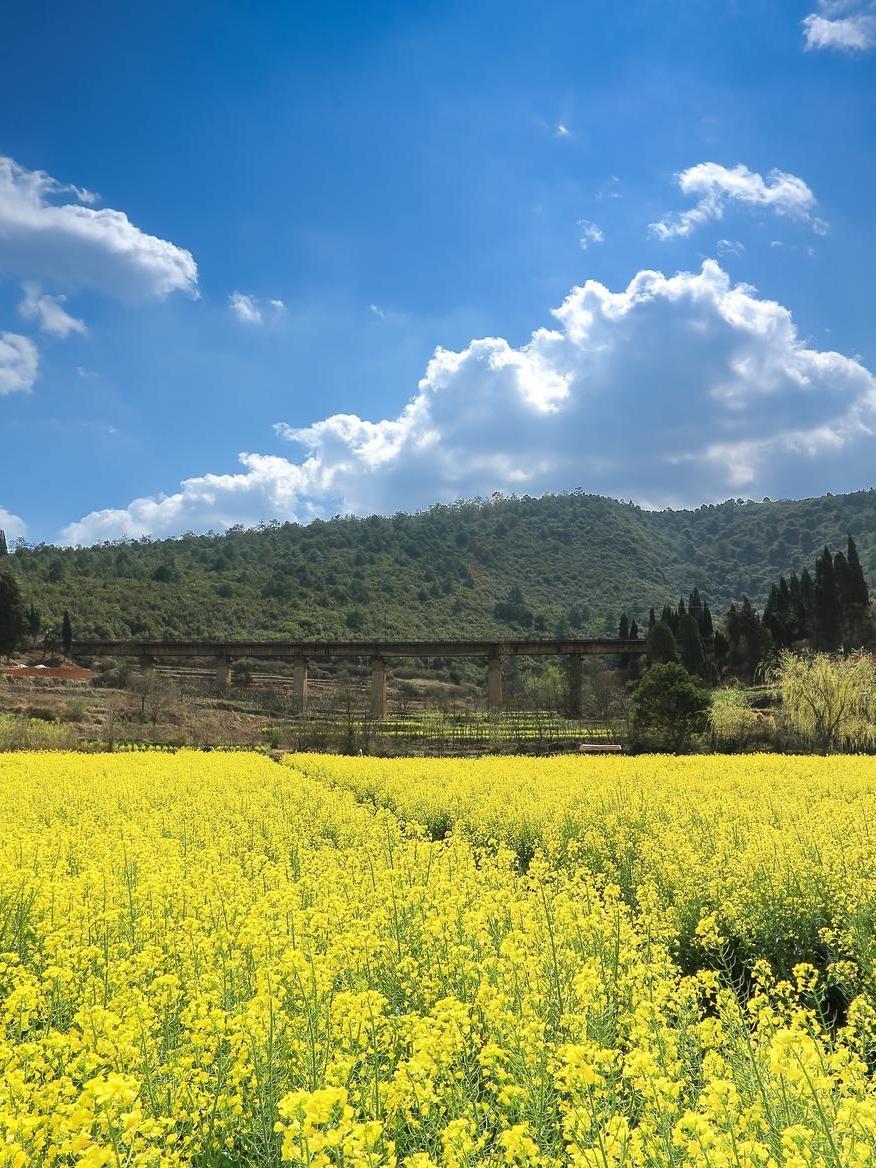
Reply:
x=225, y=653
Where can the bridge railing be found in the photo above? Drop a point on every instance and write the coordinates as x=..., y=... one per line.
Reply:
x=224, y=653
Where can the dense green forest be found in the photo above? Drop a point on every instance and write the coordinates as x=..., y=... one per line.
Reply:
x=557, y=565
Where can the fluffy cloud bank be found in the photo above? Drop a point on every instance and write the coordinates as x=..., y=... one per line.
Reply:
x=675, y=390
x=717, y=185
x=18, y=363
x=72, y=244
x=11, y=525
x=846, y=25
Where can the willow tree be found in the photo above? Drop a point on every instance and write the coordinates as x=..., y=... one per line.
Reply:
x=829, y=699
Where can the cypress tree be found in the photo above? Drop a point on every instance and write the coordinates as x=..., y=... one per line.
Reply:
x=4, y=550
x=634, y=631
x=858, y=590
x=826, y=610
x=691, y=646
x=807, y=596
x=669, y=617
x=856, y=596
x=708, y=626
x=695, y=607
x=11, y=614
x=842, y=574
x=747, y=639
x=652, y=618
x=66, y=634
x=784, y=604
x=660, y=644
x=777, y=614
x=798, y=609
x=623, y=627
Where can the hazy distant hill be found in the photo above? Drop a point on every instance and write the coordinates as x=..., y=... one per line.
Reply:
x=565, y=562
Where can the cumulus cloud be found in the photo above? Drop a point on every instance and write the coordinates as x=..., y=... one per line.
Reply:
x=251, y=310
x=717, y=185
x=19, y=362
x=674, y=390
x=13, y=526
x=49, y=312
x=72, y=244
x=848, y=26
x=590, y=233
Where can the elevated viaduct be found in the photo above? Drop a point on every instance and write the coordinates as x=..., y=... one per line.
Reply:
x=224, y=653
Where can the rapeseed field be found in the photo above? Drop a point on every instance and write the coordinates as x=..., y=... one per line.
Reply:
x=209, y=960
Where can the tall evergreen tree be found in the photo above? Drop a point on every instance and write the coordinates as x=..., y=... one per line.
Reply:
x=807, y=595
x=669, y=617
x=843, y=576
x=826, y=610
x=855, y=596
x=634, y=630
x=858, y=591
x=748, y=641
x=4, y=550
x=66, y=634
x=11, y=614
x=695, y=607
x=784, y=603
x=691, y=646
x=778, y=616
x=623, y=627
x=707, y=626
x=660, y=644
x=652, y=618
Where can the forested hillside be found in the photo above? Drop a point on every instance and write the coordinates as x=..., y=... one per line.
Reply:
x=558, y=565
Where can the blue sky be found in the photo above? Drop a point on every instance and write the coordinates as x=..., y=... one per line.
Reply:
x=311, y=199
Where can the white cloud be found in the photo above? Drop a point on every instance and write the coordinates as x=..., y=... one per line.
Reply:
x=727, y=247
x=846, y=25
x=245, y=308
x=19, y=362
x=49, y=312
x=13, y=526
x=268, y=486
x=675, y=390
x=717, y=185
x=73, y=246
x=561, y=131
x=251, y=310
x=590, y=233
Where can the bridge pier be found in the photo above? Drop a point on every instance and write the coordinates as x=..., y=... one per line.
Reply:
x=378, y=687
x=494, y=683
x=299, y=683
x=573, y=707
x=222, y=676
x=147, y=664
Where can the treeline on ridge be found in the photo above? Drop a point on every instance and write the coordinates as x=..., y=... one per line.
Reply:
x=560, y=565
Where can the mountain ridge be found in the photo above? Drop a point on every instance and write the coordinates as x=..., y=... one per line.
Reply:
x=555, y=564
